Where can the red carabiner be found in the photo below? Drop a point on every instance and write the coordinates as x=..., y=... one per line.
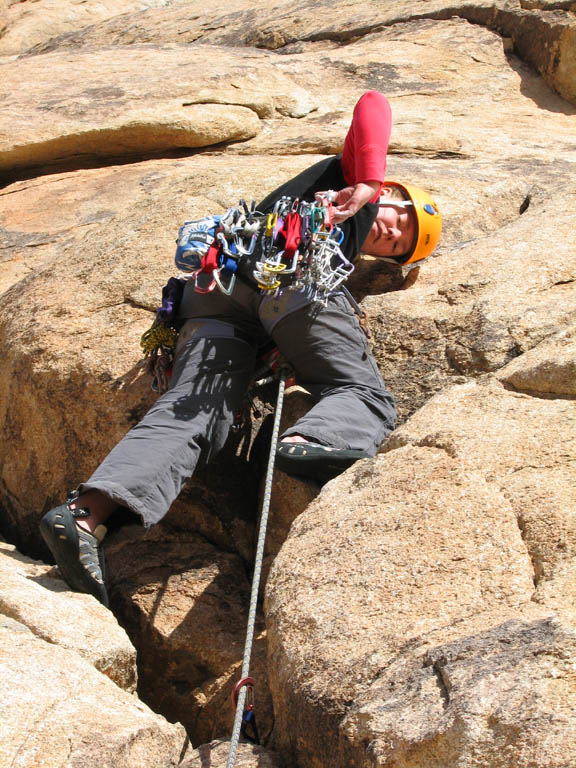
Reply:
x=246, y=681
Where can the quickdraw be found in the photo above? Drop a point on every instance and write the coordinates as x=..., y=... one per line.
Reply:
x=233, y=238
x=300, y=241
x=298, y=248
x=248, y=729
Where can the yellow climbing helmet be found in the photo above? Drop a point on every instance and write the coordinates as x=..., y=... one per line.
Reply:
x=428, y=220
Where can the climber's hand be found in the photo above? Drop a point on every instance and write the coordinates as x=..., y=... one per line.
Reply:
x=349, y=200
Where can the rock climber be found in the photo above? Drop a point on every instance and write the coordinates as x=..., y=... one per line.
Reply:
x=216, y=353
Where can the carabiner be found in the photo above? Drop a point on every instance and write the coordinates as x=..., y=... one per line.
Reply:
x=328, y=216
x=242, y=250
x=271, y=220
x=247, y=682
x=203, y=289
x=286, y=269
x=248, y=715
x=217, y=281
x=316, y=218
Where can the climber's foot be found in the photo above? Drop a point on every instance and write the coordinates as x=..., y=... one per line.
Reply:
x=78, y=553
x=319, y=462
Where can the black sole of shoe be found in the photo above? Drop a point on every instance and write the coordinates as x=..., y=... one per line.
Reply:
x=58, y=529
x=311, y=461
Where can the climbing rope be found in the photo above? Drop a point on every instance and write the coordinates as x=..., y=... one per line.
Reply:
x=246, y=682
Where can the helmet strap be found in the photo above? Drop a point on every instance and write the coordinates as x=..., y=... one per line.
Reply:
x=383, y=202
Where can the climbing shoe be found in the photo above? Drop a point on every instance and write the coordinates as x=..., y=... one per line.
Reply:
x=77, y=552
x=318, y=462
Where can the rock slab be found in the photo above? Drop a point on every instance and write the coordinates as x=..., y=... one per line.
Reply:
x=56, y=709
x=32, y=594
x=409, y=609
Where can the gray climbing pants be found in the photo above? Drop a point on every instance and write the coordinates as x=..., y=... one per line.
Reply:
x=215, y=359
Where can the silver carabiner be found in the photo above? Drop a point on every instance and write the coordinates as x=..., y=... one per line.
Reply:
x=227, y=290
x=293, y=267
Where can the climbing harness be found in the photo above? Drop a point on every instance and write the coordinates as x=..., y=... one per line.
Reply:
x=296, y=247
x=245, y=717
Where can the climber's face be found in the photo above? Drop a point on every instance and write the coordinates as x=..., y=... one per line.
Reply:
x=392, y=233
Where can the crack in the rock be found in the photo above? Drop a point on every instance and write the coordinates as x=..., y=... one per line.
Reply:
x=32, y=186
x=532, y=466
x=536, y=394
x=536, y=568
x=525, y=203
x=228, y=103
x=484, y=17
x=36, y=631
x=59, y=167
x=428, y=441
x=129, y=302
x=438, y=665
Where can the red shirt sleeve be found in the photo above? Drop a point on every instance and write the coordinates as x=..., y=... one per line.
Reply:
x=366, y=144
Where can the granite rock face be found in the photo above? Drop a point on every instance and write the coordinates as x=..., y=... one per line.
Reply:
x=548, y=368
x=435, y=575
x=542, y=33
x=419, y=610
x=161, y=99
x=533, y=466
x=52, y=700
x=34, y=595
x=27, y=23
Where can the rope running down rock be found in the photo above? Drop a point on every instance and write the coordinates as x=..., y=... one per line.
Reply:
x=235, y=738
